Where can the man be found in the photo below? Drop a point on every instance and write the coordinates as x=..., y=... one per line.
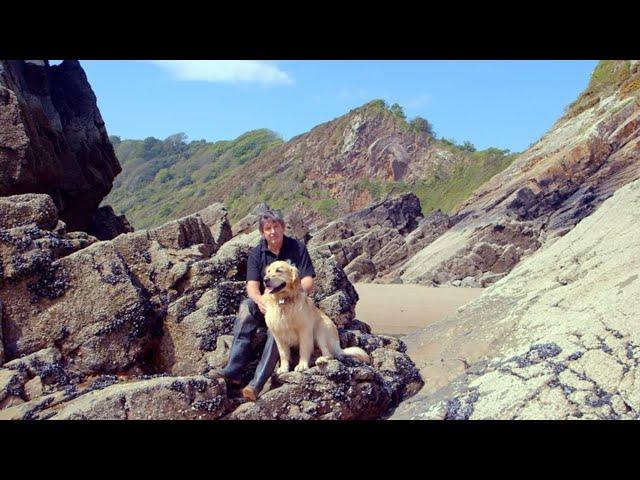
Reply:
x=273, y=246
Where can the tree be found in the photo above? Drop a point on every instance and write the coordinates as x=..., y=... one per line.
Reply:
x=163, y=175
x=176, y=142
x=422, y=125
x=468, y=146
x=397, y=110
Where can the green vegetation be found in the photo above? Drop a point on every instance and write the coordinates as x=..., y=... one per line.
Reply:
x=164, y=179
x=446, y=190
x=282, y=192
x=398, y=111
x=422, y=125
x=607, y=77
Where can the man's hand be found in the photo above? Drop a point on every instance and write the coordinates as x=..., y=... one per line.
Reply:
x=261, y=305
x=307, y=285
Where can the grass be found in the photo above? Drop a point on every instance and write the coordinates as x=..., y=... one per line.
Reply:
x=607, y=77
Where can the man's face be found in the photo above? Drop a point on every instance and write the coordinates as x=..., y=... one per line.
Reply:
x=273, y=232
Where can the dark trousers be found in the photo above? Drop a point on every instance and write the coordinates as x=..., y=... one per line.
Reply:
x=249, y=319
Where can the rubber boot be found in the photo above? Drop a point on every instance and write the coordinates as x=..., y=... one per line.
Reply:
x=265, y=368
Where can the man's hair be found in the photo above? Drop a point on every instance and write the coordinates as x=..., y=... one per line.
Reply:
x=270, y=216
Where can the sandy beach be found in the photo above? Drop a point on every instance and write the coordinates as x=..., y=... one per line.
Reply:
x=398, y=309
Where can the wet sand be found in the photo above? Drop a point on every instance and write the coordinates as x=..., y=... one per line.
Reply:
x=398, y=309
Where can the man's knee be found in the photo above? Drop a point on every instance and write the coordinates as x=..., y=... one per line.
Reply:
x=248, y=310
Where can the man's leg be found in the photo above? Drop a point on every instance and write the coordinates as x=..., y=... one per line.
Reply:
x=265, y=368
x=247, y=322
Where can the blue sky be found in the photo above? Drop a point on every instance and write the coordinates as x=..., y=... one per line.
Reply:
x=506, y=104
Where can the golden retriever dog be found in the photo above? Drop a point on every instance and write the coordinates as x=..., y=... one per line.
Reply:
x=294, y=321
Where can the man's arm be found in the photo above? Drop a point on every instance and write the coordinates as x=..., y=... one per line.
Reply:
x=307, y=284
x=307, y=271
x=253, y=291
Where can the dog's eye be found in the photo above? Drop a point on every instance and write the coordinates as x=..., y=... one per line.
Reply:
x=278, y=270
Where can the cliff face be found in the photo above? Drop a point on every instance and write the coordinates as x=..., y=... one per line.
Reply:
x=53, y=139
x=586, y=156
x=342, y=166
x=558, y=338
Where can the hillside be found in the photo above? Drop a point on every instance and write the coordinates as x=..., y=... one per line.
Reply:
x=587, y=155
x=167, y=179
x=336, y=168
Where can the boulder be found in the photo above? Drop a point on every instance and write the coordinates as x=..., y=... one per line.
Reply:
x=215, y=217
x=44, y=364
x=105, y=224
x=163, y=398
x=27, y=250
x=11, y=388
x=50, y=309
x=53, y=139
x=333, y=292
x=21, y=210
x=339, y=390
x=360, y=269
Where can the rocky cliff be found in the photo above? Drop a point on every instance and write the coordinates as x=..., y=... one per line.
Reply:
x=129, y=328
x=592, y=151
x=53, y=139
x=557, y=338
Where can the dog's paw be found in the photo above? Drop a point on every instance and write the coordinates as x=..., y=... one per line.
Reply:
x=301, y=367
x=321, y=361
x=282, y=369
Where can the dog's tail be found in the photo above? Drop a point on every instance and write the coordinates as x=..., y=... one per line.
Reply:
x=356, y=352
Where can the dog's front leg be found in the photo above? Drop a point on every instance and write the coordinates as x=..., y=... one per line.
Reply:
x=285, y=356
x=306, y=349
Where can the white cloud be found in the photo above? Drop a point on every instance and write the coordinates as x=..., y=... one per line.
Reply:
x=226, y=71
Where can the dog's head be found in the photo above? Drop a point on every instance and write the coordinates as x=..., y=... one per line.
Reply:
x=282, y=279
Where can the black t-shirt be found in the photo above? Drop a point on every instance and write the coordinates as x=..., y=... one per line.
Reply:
x=293, y=250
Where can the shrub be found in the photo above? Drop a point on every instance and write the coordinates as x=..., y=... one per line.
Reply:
x=397, y=110
x=422, y=125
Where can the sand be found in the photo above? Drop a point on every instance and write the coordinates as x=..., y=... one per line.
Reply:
x=399, y=309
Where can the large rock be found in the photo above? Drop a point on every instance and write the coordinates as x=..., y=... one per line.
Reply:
x=53, y=139
x=557, y=338
x=401, y=213
x=160, y=304
x=21, y=210
x=27, y=250
x=163, y=398
x=51, y=308
x=347, y=390
x=187, y=341
x=1, y=339
x=368, y=242
x=46, y=291
x=46, y=364
x=333, y=292
x=584, y=158
x=11, y=388
x=105, y=224
x=215, y=217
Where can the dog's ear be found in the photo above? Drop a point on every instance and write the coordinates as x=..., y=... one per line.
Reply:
x=295, y=279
